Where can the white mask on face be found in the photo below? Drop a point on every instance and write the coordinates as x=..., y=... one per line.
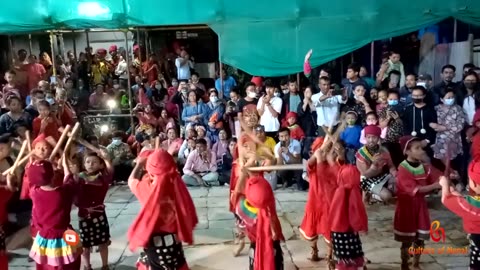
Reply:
x=213, y=99
x=252, y=94
x=116, y=86
x=277, y=94
x=285, y=91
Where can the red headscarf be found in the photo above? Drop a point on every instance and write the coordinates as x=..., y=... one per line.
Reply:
x=347, y=211
x=373, y=130
x=166, y=184
x=40, y=173
x=40, y=138
x=317, y=143
x=258, y=81
x=259, y=194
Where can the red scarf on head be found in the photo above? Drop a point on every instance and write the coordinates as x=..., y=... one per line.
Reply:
x=167, y=183
x=259, y=194
x=347, y=211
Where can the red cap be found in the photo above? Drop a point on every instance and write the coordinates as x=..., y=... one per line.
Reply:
x=101, y=51
x=112, y=48
x=373, y=130
x=406, y=140
x=291, y=114
x=258, y=81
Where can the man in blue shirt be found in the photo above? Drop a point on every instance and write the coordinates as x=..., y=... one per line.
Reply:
x=225, y=85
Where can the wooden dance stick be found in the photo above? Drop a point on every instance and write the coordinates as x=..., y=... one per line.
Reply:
x=87, y=145
x=75, y=129
x=60, y=141
x=19, y=157
x=157, y=142
x=20, y=163
x=29, y=140
x=278, y=168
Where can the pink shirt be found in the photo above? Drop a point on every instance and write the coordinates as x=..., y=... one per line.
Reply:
x=220, y=149
x=195, y=164
x=35, y=73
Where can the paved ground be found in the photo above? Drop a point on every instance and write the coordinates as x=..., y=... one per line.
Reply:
x=214, y=235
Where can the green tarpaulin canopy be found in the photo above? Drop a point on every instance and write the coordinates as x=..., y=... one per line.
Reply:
x=261, y=37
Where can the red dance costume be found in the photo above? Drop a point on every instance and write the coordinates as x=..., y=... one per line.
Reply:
x=51, y=130
x=412, y=219
x=322, y=181
x=348, y=217
x=167, y=217
x=265, y=244
x=5, y=196
x=468, y=208
x=51, y=215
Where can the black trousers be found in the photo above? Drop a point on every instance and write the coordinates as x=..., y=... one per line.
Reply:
x=288, y=178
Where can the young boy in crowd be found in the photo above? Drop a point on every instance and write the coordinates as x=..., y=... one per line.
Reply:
x=296, y=131
x=351, y=136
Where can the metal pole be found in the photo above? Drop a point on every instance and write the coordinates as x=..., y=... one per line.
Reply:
x=139, y=53
x=12, y=53
x=88, y=39
x=54, y=70
x=129, y=87
x=372, y=58
x=298, y=81
x=146, y=45
x=455, y=30
x=220, y=66
x=74, y=45
x=30, y=43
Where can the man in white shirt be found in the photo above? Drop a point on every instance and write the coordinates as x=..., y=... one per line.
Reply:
x=287, y=151
x=269, y=108
x=183, y=64
x=327, y=104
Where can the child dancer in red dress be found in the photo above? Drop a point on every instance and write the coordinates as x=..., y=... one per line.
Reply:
x=411, y=224
x=322, y=184
x=467, y=207
x=263, y=228
x=93, y=223
x=167, y=217
x=46, y=123
x=51, y=215
x=348, y=216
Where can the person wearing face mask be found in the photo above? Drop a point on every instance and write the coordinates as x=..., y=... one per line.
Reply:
x=449, y=127
x=418, y=117
x=121, y=156
x=251, y=98
x=359, y=103
x=390, y=118
x=180, y=97
x=214, y=115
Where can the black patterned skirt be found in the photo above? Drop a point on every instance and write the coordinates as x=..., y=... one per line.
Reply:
x=347, y=248
x=278, y=255
x=375, y=184
x=474, y=251
x=164, y=252
x=94, y=231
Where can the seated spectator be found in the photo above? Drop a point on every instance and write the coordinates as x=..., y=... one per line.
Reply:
x=172, y=141
x=164, y=121
x=98, y=99
x=267, y=141
x=372, y=120
x=202, y=134
x=201, y=166
x=121, y=157
x=66, y=114
x=220, y=148
x=182, y=156
x=382, y=101
x=351, y=136
x=93, y=140
x=229, y=118
x=287, y=151
x=227, y=161
x=14, y=116
x=196, y=81
x=214, y=116
x=145, y=116
x=194, y=111
x=296, y=131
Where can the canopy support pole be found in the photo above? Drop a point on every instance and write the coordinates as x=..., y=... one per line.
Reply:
x=298, y=80
x=12, y=53
x=54, y=70
x=372, y=58
x=139, y=53
x=88, y=40
x=30, y=44
x=147, y=49
x=74, y=45
x=129, y=84
x=455, y=22
x=220, y=67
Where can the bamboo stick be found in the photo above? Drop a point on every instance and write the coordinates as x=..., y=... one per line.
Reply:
x=20, y=163
x=22, y=151
x=278, y=168
x=60, y=141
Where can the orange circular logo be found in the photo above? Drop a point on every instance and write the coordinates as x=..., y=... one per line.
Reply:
x=71, y=237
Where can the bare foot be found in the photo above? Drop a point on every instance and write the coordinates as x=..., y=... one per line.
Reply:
x=416, y=267
x=238, y=249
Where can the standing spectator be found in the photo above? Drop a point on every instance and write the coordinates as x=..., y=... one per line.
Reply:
x=269, y=108
x=292, y=98
x=448, y=74
x=328, y=106
x=358, y=104
x=353, y=80
x=36, y=95
x=287, y=151
x=234, y=96
x=150, y=69
x=307, y=119
x=364, y=76
x=201, y=166
x=197, y=83
x=121, y=157
x=121, y=71
x=98, y=98
x=214, y=116
x=449, y=126
x=224, y=85
x=392, y=64
x=406, y=90
x=251, y=98
x=227, y=162
x=35, y=72
x=184, y=65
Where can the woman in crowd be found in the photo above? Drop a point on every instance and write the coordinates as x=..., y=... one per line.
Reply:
x=214, y=116
x=15, y=115
x=194, y=111
x=391, y=118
